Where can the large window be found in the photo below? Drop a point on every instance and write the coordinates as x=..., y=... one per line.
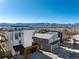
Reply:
x=16, y=36
x=53, y=39
x=19, y=34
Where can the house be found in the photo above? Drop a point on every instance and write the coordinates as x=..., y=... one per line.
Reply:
x=75, y=38
x=48, y=41
x=20, y=39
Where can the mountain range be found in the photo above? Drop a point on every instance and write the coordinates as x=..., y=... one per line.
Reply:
x=46, y=25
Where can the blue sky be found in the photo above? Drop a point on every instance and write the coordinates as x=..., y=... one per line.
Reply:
x=36, y=11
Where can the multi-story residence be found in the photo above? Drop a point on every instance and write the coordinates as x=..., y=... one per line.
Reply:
x=19, y=39
x=48, y=41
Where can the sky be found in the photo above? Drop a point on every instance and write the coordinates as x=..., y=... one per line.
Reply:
x=39, y=11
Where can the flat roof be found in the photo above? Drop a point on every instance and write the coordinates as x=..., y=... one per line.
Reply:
x=44, y=36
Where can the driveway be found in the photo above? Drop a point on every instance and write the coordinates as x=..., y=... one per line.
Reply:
x=38, y=55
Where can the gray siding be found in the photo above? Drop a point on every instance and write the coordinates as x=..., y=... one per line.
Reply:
x=43, y=43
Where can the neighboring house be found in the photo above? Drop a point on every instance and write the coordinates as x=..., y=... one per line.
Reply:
x=20, y=38
x=48, y=41
x=75, y=38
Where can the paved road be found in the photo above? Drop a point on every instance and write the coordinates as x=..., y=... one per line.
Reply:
x=35, y=55
x=38, y=55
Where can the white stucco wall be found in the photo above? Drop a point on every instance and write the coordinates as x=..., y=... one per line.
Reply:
x=28, y=34
x=9, y=36
x=15, y=41
x=26, y=37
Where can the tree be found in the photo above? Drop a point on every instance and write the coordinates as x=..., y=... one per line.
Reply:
x=42, y=31
x=66, y=31
x=66, y=34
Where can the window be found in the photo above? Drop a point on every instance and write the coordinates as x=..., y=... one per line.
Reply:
x=51, y=40
x=19, y=41
x=19, y=34
x=16, y=35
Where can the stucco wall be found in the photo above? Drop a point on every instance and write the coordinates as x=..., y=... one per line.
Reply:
x=27, y=38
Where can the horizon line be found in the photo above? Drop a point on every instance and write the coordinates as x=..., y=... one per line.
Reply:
x=35, y=22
